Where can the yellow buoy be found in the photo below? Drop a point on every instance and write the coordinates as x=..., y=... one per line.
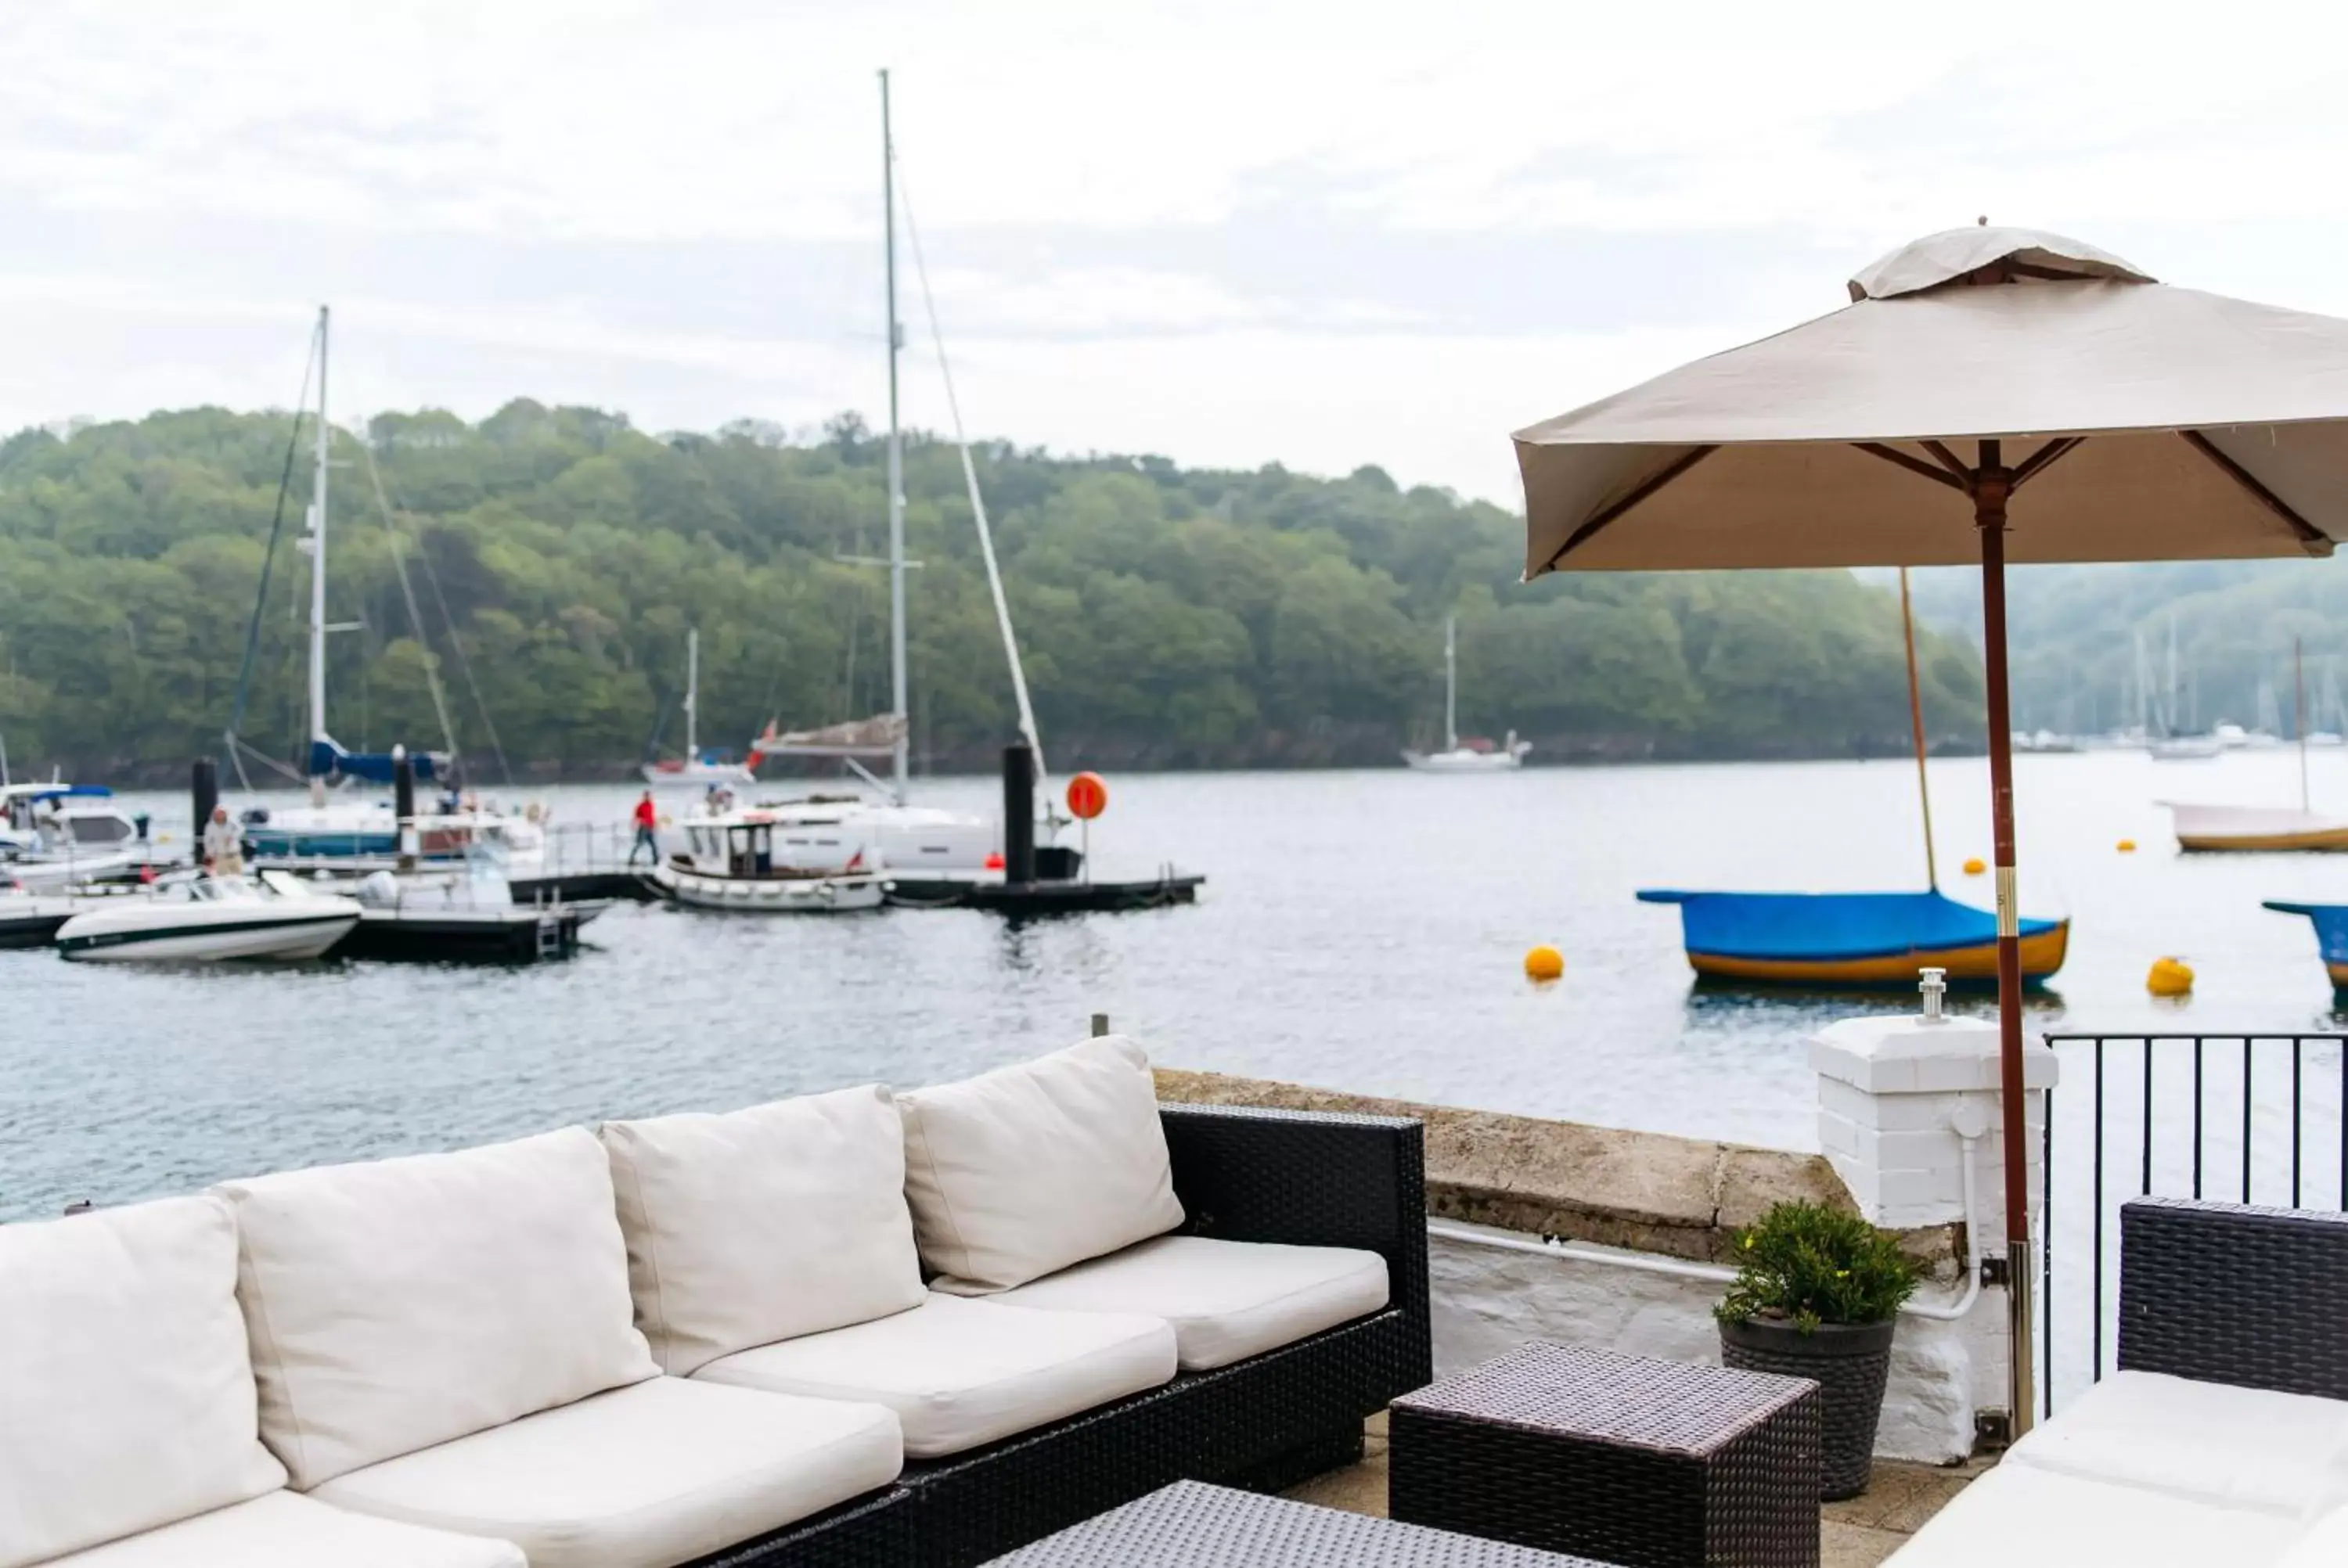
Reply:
x=2170, y=977
x=1544, y=963
x=2126, y=846
x=1975, y=867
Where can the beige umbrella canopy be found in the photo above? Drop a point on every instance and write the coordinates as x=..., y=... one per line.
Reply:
x=1989, y=395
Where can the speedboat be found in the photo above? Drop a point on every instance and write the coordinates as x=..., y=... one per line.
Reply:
x=30, y=919
x=752, y=862
x=204, y=919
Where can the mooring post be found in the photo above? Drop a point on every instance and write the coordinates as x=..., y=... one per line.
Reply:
x=1100, y=1024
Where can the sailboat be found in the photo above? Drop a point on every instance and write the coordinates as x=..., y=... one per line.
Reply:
x=1477, y=757
x=349, y=830
x=1858, y=938
x=950, y=847
x=694, y=769
x=2263, y=827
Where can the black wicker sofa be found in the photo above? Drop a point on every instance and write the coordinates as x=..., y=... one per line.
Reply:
x=1300, y=1177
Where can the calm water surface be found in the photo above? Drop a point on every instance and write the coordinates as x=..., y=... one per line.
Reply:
x=1359, y=929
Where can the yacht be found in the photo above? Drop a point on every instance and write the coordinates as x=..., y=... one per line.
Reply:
x=694, y=770
x=1472, y=756
x=343, y=826
x=55, y=834
x=207, y=919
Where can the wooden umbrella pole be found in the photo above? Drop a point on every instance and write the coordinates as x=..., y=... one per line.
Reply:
x=1991, y=485
x=1916, y=728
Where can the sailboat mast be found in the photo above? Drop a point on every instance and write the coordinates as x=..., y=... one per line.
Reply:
x=1451, y=684
x=691, y=693
x=318, y=581
x=1916, y=728
x=899, y=707
x=2298, y=712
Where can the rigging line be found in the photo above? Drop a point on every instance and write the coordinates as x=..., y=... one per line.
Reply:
x=407, y=593
x=268, y=558
x=464, y=667
x=970, y=479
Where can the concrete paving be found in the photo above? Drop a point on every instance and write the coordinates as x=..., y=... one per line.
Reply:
x=1859, y=1533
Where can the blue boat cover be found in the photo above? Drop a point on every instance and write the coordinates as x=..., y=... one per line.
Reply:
x=63, y=792
x=330, y=761
x=1829, y=925
x=2330, y=926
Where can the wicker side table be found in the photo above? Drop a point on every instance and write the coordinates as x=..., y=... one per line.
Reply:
x=1192, y=1525
x=1651, y=1464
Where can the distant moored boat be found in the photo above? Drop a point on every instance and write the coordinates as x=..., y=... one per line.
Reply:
x=1474, y=757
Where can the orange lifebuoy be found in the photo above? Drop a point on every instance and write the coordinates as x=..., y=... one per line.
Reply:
x=1087, y=796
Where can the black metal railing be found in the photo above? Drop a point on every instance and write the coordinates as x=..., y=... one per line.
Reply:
x=2251, y=1118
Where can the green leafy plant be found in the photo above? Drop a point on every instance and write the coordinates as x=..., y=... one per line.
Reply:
x=1807, y=1264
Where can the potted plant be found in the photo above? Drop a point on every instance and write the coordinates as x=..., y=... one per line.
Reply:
x=1817, y=1295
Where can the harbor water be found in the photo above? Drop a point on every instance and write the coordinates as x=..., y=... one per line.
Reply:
x=1359, y=929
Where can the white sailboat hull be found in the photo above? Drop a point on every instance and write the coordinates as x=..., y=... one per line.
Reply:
x=2255, y=827
x=1463, y=761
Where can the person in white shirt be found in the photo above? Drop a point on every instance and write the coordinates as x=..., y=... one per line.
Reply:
x=223, y=845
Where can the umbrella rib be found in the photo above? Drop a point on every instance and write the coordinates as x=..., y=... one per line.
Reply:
x=1647, y=487
x=2307, y=533
x=2046, y=456
x=1913, y=464
x=1949, y=460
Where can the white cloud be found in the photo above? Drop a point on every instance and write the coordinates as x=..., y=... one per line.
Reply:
x=1229, y=233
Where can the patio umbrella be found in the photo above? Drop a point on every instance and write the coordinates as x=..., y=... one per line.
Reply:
x=1989, y=395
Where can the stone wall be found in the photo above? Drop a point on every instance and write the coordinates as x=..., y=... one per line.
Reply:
x=1626, y=1198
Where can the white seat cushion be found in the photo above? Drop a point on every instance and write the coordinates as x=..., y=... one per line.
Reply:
x=765, y=1223
x=126, y=1388
x=2028, y=1517
x=959, y=1373
x=1228, y=1301
x=2325, y=1544
x=655, y=1473
x=2244, y=1448
x=285, y=1530
x=400, y=1304
x=1028, y=1168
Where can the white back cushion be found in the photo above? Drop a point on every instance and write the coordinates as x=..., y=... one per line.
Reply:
x=397, y=1305
x=764, y=1224
x=1030, y=1168
x=126, y=1393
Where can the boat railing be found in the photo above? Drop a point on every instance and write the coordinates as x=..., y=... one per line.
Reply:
x=2258, y=1118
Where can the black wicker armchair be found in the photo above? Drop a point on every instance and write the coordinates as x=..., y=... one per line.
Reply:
x=2227, y=1293
x=1242, y=1175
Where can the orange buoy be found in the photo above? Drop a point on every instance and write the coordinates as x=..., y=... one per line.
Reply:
x=2126, y=846
x=1087, y=796
x=1544, y=963
x=1975, y=867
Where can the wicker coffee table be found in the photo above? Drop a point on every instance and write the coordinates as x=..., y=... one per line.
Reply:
x=1651, y=1464
x=1192, y=1525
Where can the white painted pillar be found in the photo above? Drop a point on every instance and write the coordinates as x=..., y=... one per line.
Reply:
x=1897, y=1097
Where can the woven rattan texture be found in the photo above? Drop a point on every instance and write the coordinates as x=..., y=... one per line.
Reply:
x=1850, y=1392
x=876, y=1532
x=2227, y=1292
x=1675, y=1467
x=1188, y=1525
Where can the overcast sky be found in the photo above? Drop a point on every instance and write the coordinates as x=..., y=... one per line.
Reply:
x=1320, y=234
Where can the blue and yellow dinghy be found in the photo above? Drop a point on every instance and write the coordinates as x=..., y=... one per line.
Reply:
x=1850, y=938
x=2331, y=921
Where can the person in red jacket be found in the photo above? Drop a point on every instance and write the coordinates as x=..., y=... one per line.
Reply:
x=647, y=841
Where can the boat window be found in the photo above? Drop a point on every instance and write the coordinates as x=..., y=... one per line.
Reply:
x=98, y=829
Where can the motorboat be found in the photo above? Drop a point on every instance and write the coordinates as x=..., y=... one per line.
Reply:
x=349, y=833
x=751, y=862
x=30, y=919
x=1469, y=756
x=695, y=769
x=55, y=834
x=466, y=915
x=206, y=920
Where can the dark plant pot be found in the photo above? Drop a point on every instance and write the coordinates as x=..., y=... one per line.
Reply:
x=1848, y=1361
